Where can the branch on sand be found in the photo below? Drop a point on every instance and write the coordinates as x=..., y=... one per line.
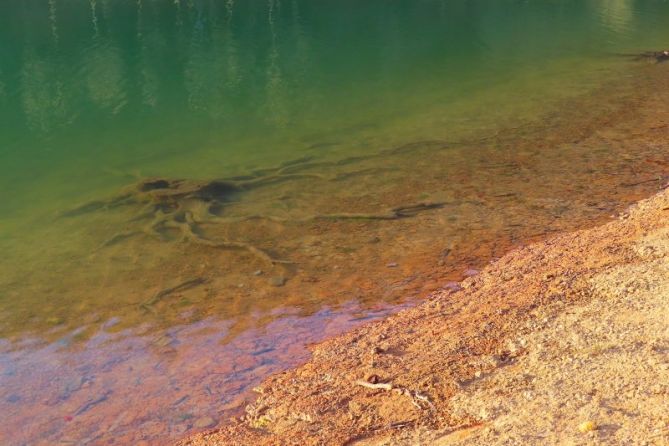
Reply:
x=417, y=399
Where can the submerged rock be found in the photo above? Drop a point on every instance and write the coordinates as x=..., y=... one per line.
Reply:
x=204, y=422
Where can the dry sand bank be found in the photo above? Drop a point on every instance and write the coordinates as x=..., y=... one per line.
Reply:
x=571, y=330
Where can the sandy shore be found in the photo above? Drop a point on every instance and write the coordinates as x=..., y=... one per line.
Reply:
x=565, y=341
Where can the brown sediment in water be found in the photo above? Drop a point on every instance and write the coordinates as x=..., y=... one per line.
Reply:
x=560, y=342
x=566, y=170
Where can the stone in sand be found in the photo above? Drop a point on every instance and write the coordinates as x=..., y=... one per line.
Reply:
x=277, y=281
x=204, y=422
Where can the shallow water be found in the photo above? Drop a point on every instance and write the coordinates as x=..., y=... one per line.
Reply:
x=514, y=120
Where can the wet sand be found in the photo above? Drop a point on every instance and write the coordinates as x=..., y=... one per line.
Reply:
x=558, y=342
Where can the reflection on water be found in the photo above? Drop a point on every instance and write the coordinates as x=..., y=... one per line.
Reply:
x=381, y=149
x=120, y=389
x=618, y=14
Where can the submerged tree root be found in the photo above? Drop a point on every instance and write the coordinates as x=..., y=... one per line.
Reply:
x=188, y=284
x=654, y=56
x=395, y=213
x=171, y=209
x=182, y=207
x=189, y=234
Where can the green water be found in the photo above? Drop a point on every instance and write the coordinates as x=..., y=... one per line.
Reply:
x=376, y=103
x=196, y=88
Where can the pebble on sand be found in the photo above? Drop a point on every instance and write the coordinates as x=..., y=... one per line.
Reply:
x=587, y=426
x=277, y=281
x=204, y=422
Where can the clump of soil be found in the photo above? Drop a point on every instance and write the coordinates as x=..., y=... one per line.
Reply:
x=560, y=342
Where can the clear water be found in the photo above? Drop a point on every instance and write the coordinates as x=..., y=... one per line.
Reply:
x=485, y=107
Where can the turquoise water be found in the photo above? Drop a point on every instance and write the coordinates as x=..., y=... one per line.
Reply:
x=199, y=88
x=310, y=109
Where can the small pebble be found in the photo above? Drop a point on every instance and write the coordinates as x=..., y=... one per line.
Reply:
x=183, y=416
x=277, y=281
x=393, y=265
x=204, y=422
x=587, y=426
x=257, y=272
x=452, y=286
x=13, y=398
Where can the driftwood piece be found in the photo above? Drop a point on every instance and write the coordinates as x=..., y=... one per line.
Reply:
x=374, y=386
x=417, y=399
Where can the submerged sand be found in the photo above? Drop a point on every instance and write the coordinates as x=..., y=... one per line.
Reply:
x=565, y=341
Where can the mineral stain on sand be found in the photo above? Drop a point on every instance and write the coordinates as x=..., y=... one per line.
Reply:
x=196, y=190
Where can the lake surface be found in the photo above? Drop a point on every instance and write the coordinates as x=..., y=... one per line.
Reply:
x=314, y=165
